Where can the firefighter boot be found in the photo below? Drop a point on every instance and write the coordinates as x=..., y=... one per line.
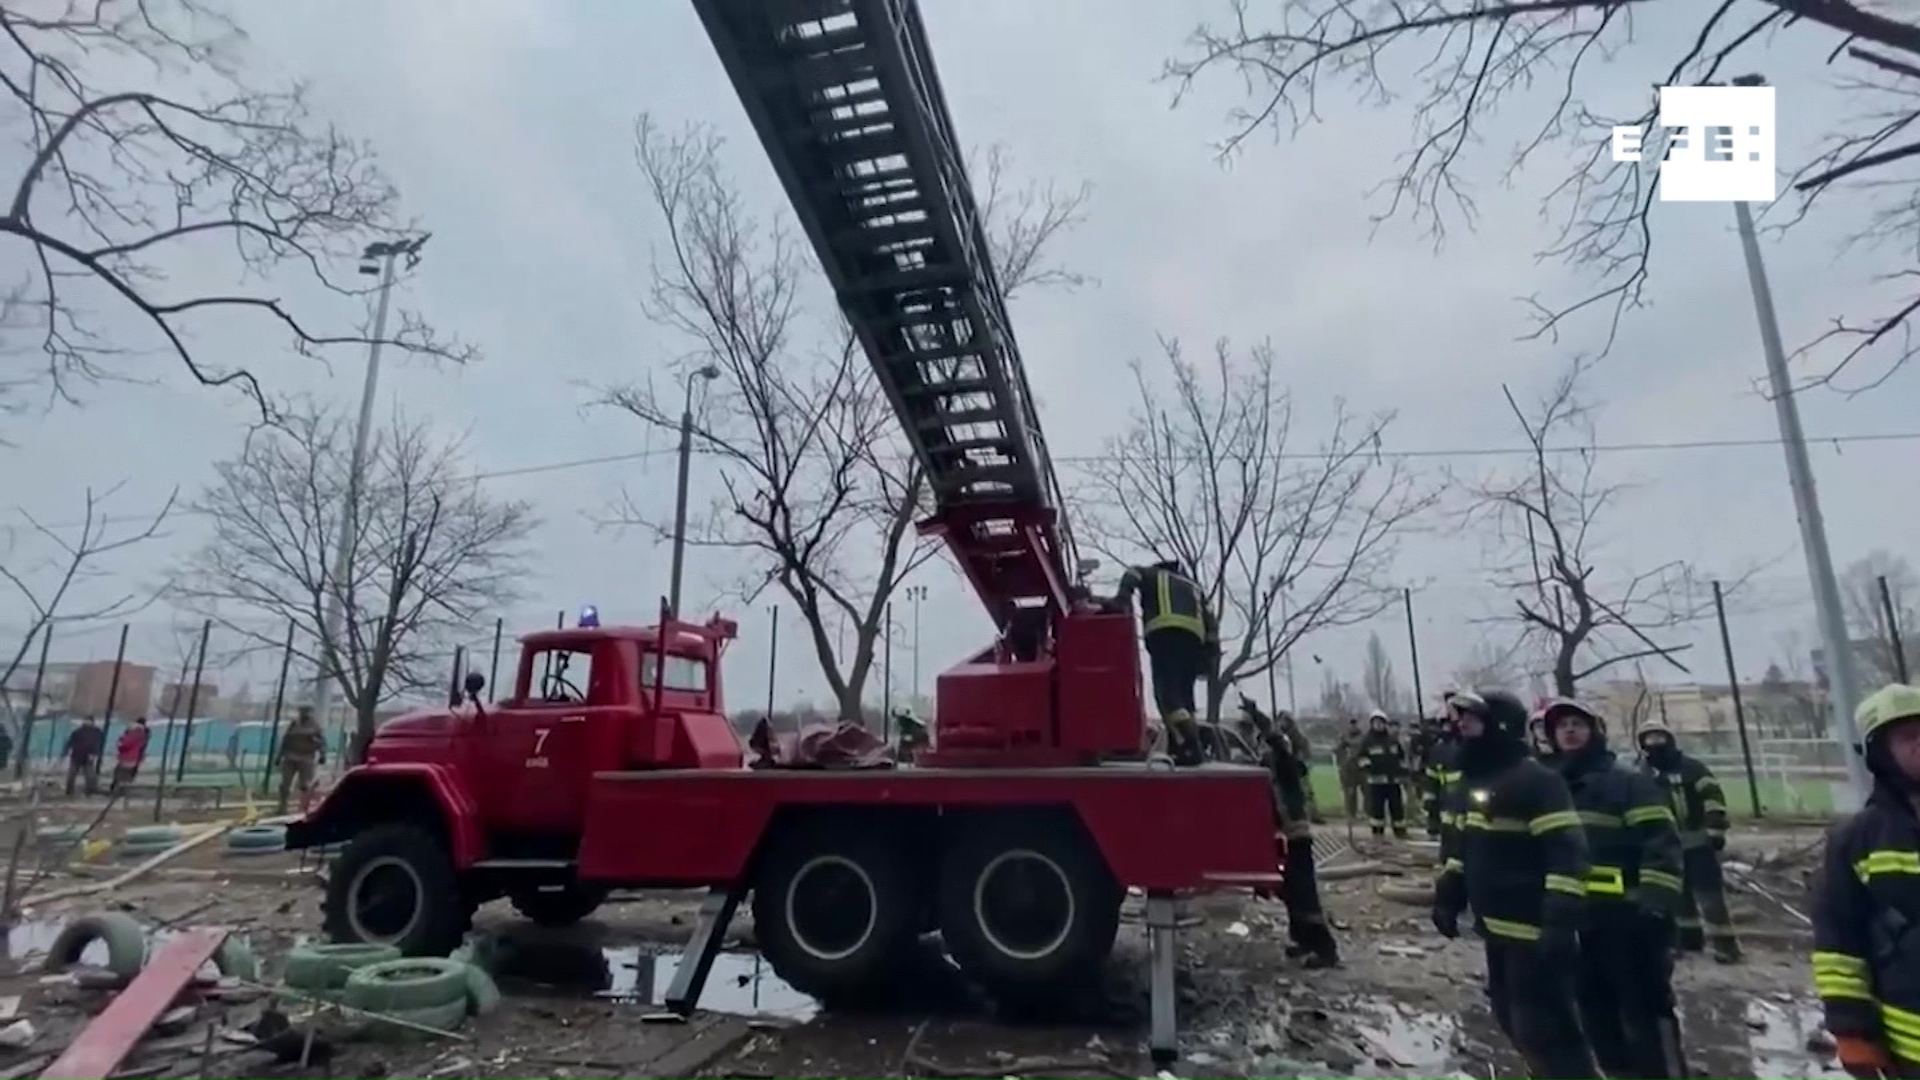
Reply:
x=1726, y=949
x=1183, y=739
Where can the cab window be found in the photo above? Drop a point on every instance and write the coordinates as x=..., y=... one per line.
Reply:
x=683, y=672
x=562, y=676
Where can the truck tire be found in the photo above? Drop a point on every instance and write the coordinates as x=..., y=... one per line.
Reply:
x=1027, y=909
x=833, y=910
x=394, y=885
x=559, y=907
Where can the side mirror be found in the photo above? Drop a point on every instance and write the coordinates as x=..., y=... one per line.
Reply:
x=475, y=683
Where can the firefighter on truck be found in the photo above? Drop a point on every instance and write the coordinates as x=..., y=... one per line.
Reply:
x=1183, y=645
x=1866, y=901
x=1625, y=980
x=1513, y=851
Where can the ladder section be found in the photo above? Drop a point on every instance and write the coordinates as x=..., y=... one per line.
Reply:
x=846, y=101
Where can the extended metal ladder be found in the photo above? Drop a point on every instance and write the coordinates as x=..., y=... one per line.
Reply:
x=846, y=101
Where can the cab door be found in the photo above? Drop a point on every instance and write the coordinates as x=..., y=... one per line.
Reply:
x=541, y=744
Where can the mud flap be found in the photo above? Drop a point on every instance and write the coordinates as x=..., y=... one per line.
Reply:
x=1163, y=1038
x=709, y=934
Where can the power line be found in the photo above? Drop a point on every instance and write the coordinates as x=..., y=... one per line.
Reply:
x=1382, y=454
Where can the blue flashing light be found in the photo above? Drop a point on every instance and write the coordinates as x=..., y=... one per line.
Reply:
x=589, y=617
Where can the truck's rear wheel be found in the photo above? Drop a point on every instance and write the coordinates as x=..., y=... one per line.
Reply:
x=559, y=906
x=833, y=910
x=394, y=885
x=1027, y=908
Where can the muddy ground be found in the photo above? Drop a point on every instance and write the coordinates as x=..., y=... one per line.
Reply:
x=583, y=1003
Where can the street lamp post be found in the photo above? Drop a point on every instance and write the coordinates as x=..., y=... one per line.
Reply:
x=707, y=373
x=1844, y=678
x=379, y=259
x=916, y=593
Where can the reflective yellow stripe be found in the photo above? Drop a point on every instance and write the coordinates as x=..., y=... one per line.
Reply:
x=1166, y=619
x=1687, y=922
x=1710, y=806
x=1474, y=819
x=1902, y=1029
x=1507, y=928
x=1453, y=866
x=1886, y=861
x=1559, y=819
x=1606, y=880
x=1595, y=820
x=1646, y=815
x=1839, y=975
x=1561, y=883
x=1660, y=879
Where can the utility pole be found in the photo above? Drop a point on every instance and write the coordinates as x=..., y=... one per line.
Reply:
x=705, y=374
x=1843, y=679
x=1895, y=638
x=1413, y=648
x=773, y=657
x=377, y=260
x=886, y=704
x=1739, y=710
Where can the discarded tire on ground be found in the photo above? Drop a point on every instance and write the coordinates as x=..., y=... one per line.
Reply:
x=125, y=941
x=561, y=905
x=236, y=958
x=395, y=885
x=145, y=841
x=414, y=983
x=1027, y=907
x=1414, y=894
x=326, y=967
x=446, y=1017
x=256, y=840
x=834, y=908
x=58, y=839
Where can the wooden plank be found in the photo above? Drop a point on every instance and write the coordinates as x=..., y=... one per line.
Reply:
x=113, y=1034
x=698, y=1050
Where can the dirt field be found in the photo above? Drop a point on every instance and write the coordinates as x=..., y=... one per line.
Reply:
x=580, y=1003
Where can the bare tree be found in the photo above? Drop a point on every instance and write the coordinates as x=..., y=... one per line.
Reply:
x=1459, y=62
x=1542, y=521
x=1866, y=613
x=1337, y=699
x=1489, y=666
x=1283, y=540
x=430, y=553
x=817, y=483
x=62, y=583
x=144, y=149
x=1377, y=677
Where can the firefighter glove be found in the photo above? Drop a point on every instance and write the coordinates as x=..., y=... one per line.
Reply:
x=1862, y=1057
x=1446, y=920
x=1719, y=842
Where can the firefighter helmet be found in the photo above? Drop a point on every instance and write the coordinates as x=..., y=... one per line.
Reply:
x=1885, y=707
x=1555, y=708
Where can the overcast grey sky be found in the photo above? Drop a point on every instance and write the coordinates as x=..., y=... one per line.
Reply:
x=508, y=126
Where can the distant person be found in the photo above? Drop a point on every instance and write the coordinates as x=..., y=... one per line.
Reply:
x=1346, y=756
x=82, y=751
x=128, y=754
x=233, y=749
x=1701, y=810
x=6, y=746
x=303, y=749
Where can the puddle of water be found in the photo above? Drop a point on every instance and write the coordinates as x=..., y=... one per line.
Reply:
x=1777, y=1042
x=1408, y=1038
x=576, y=961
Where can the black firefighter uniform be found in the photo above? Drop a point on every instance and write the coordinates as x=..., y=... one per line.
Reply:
x=1700, y=809
x=1513, y=851
x=1866, y=910
x=1383, y=763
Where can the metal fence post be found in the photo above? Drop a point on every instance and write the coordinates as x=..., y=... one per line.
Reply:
x=166, y=743
x=1739, y=711
x=773, y=657
x=193, y=702
x=493, y=665
x=279, y=703
x=1894, y=638
x=113, y=696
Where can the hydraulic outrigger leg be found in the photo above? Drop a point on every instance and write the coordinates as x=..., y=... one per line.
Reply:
x=709, y=934
x=1163, y=1031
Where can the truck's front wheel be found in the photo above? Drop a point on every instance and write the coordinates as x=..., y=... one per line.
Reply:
x=833, y=910
x=394, y=885
x=1028, y=909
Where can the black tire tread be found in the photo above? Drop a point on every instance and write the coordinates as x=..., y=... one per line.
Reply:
x=447, y=917
x=867, y=973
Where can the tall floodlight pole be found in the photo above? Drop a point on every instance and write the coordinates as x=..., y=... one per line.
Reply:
x=1844, y=694
x=916, y=593
x=377, y=260
x=708, y=374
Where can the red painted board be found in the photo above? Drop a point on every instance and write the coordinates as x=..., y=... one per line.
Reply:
x=119, y=1028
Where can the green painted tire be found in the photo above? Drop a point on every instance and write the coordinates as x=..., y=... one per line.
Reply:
x=401, y=986
x=316, y=968
x=257, y=838
x=125, y=939
x=446, y=1017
